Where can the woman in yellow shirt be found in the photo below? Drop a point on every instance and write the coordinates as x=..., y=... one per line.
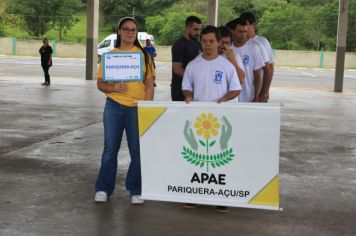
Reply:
x=120, y=114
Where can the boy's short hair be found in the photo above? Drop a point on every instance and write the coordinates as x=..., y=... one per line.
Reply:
x=211, y=29
x=233, y=23
x=249, y=17
x=192, y=19
x=225, y=32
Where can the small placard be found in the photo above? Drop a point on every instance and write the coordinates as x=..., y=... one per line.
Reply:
x=121, y=67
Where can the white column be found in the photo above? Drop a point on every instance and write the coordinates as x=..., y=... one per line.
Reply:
x=213, y=12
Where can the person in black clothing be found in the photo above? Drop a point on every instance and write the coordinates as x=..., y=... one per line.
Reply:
x=184, y=50
x=46, y=60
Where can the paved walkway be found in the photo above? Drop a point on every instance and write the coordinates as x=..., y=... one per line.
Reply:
x=51, y=142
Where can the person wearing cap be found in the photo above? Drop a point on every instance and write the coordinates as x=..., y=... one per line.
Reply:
x=120, y=114
x=46, y=60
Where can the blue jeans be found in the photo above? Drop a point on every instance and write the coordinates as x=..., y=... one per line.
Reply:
x=118, y=118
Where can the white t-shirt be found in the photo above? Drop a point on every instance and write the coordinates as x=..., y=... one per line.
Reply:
x=252, y=60
x=262, y=49
x=266, y=51
x=267, y=46
x=238, y=60
x=210, y=80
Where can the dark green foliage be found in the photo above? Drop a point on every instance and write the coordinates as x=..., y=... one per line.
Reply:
x=214, y=160
x=39, y=16
x=288, y=24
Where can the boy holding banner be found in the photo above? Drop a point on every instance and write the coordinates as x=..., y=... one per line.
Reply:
x=210, y=77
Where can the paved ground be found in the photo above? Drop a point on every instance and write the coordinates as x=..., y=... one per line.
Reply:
x=50, y=146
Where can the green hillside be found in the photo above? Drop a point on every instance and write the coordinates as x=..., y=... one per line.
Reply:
x=77, y=33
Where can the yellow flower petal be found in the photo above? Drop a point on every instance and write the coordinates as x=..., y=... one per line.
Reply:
x=210, y=116
x=214, y=132
x=200, y=132
x=207, y=134
x=216, y=125
x=197, y=125
x=203, y=116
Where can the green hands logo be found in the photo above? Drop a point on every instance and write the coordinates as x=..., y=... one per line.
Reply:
x=207, y=126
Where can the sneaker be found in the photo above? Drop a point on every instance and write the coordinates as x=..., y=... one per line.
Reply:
x=137, y=200
x=101, y=196
x=43, y=84
x=222, y=209
x=190, y=205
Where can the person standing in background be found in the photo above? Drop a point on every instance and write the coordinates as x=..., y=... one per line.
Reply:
x=46, y=60
x=267, y=49
x=150, y=49
x=184, y=50
x=226, y=51
x=252, y=61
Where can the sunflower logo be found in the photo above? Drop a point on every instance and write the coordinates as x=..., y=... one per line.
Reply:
x=208, y=127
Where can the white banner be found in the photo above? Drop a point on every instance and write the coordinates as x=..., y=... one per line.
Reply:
x=207, y=153
x=119, y=66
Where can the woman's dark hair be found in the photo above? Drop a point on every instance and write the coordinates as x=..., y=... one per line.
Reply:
x=136, y=42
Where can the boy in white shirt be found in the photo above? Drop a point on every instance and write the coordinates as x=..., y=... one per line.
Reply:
x=226, y=51
x=210, y=77
x=252, y=61
x=266, y=49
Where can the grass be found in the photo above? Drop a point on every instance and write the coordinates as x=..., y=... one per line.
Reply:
x=76, y=34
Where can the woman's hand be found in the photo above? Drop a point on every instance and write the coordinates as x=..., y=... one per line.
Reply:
x=119, y=87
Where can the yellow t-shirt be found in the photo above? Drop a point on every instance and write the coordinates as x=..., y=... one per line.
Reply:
x=135, y=89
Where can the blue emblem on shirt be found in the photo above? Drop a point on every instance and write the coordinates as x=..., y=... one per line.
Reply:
x=218, y=76
x=245, y=60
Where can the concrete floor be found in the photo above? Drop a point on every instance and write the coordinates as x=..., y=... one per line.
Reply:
x=50, y=147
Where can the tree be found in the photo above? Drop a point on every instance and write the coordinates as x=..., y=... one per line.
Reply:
x=287, y=27
x=169, y=25
x=157, y=6
x=1, y=27
x=64, y=19
x=231, y=9
x=351, y=36
x=39, y=16
x=114, y=10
